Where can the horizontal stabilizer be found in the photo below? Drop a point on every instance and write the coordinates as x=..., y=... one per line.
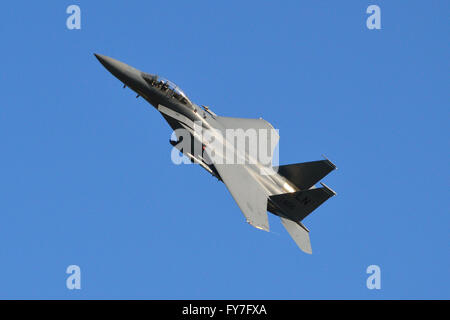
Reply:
x=298, y=233
x=297, y=205
x=305, y=175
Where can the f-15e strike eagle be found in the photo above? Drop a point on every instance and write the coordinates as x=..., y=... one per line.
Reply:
x=287, y=191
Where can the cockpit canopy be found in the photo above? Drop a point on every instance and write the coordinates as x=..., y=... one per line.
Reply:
x=167, y=86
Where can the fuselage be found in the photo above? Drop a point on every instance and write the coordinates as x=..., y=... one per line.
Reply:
x=161, y=92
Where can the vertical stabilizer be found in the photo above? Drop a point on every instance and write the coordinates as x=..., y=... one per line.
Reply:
x=298, y=233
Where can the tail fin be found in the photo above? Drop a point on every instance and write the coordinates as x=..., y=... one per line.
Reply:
x=294, y=207
x=299, y=233
x=297, y=205
x=305, y=175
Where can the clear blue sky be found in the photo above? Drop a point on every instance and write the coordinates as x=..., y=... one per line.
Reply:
x=85, y=169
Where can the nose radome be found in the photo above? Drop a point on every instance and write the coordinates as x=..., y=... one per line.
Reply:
x=105, y=60
x=112, y=65
x=120, y=70
x=100, y=57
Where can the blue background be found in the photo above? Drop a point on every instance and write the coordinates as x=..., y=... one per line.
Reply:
x=85, y=170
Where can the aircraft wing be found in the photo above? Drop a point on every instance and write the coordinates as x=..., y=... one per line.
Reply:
x=244, y=123
x=247, y=192
x=265, y=133
x=245, y=189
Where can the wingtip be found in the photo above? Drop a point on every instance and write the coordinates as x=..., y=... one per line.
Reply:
x=329, y=162
x=259, y=227
x=330, y=191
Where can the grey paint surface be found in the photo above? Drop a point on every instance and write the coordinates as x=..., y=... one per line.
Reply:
x=289, y=193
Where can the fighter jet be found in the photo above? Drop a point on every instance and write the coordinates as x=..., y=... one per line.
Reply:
x=203, y=137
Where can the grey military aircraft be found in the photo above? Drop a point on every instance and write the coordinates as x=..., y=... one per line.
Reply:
x=287, y=191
